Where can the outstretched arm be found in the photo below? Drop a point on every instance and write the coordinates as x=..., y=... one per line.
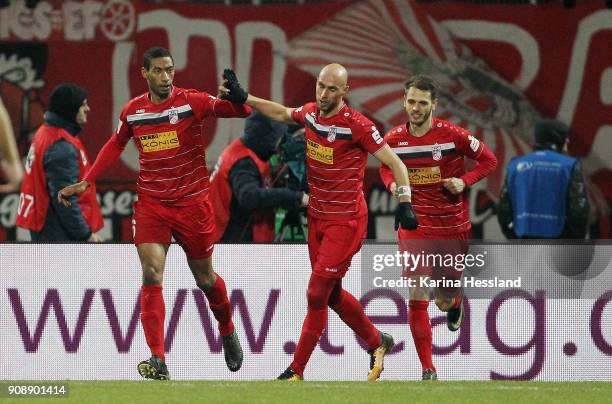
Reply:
x=231, y=90
x=271, y=109
x=109, y=153
x=228, y=109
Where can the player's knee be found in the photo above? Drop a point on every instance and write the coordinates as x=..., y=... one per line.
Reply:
x=316, y=300
x=206, y=282
x=152, y=275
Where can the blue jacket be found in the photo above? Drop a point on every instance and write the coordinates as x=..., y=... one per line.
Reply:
x=544, y=197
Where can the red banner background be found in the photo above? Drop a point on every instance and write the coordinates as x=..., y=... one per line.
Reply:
x=99, y=45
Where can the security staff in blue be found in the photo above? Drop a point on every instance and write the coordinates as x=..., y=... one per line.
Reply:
x=544, y=194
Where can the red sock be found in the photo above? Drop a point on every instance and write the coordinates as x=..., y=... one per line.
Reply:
x=351, y=312
x=312, y=329
x=152, y=316
x=319, y=290
x=220, y=306
x=420, y=326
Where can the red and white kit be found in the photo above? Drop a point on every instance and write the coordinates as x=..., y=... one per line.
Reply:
x=337, y=151
x=173, y=183
x=437, y=155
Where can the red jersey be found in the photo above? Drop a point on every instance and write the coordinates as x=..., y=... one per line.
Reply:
x=432, y=157
x=169, y=141
x=337, y=151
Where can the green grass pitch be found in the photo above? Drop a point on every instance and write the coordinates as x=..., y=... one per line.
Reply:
x=221, y=392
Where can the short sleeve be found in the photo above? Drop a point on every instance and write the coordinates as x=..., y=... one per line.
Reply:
x=369, y=137
x=205, y=105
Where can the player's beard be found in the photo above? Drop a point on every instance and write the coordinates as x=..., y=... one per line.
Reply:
x=159, y=94
x=424, y=119
x=328, y=107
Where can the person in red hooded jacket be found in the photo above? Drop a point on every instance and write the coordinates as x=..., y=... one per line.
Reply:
x=56, y=159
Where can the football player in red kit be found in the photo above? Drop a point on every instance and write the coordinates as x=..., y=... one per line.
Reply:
x=172, y=189
x=433, y=150
x=338, y=140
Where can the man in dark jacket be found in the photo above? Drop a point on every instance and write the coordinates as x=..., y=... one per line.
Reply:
x=241, y=192
x=544, y=194
x=56, y=159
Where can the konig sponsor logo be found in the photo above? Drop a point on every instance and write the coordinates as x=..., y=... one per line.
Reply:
x=159, y=141
x=320, y=153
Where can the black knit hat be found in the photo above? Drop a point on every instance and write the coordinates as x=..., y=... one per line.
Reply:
x=551, y=132
x=65, y=101
x=261, y=134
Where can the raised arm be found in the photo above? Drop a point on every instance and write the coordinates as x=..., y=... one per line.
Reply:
x=271, y=109
x=231, y=90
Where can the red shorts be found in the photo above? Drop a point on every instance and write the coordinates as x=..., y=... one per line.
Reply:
x=192, y=226
x=332, y=244
x=440, y=256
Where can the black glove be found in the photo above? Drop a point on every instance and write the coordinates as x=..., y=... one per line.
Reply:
x=237, y=95
x=405, y=216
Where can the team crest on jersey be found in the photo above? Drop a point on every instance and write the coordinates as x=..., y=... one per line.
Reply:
x=436, y=152
x=173, y=115
x=331, y=136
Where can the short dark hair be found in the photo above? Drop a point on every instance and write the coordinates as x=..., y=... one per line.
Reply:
x=424, y=83
x=155, y=52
